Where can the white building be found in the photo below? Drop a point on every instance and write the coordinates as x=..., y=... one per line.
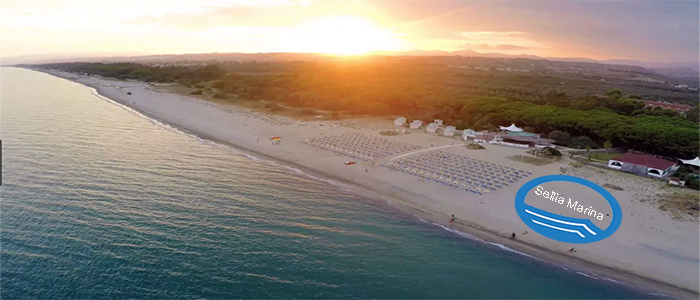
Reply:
x=468, y=133
x=449, y=131
x=399, y=122
x=416, y=124
x=432, y=127
x=438, y=122
x=643, y=164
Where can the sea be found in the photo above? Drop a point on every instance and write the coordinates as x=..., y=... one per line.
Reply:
x=101, y=202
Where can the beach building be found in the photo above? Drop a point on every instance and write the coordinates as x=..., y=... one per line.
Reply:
x=416, y=124
x=438, y=122
x=467, y=133
x=449, y=131
x=521, y=141
x=511, y=128
x=642, y=164
x=523, y=133
x=432, y=127
x=399, y=121
x=676, y=107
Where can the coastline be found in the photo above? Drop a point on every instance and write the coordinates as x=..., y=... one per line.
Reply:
x=377, y=184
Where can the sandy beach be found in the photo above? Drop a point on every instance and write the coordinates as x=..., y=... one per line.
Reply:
x=651, y=248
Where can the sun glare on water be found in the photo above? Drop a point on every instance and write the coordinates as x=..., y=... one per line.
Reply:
x=342, y=35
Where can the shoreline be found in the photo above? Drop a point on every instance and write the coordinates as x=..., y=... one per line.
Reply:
x=397, y=197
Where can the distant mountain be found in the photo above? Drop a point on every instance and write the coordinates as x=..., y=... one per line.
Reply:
x=672, y=69
x=61, y=57
x=680, y=72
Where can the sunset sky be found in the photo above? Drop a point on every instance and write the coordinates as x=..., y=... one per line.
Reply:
x=642, y=30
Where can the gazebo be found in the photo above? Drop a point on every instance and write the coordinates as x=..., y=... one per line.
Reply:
x=692, y=162
x=511, y=128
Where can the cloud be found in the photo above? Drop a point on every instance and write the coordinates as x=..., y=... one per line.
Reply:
x=277, y=13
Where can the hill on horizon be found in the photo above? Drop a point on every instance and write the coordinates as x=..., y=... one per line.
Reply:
x=670, y=69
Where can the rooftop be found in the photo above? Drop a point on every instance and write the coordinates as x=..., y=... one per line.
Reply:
x=645, y=160
x=523, y=133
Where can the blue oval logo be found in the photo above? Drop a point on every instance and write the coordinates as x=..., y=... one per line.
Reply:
x=562, y=228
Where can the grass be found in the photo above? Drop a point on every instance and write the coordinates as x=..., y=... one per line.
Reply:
x=681, y=204
x=602, y=156
x=613, y=187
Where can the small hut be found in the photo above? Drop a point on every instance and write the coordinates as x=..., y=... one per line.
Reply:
x=400, y=122
x=467, y=133
x=416, y=124
x=432, y=127
x=449, y=131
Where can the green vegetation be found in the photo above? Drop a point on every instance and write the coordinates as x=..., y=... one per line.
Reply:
x=690, y=175
x=474, y=146
x=604, y=156
x=549, y=151
x=613, y=187
x=680, y=204
x=423, y=89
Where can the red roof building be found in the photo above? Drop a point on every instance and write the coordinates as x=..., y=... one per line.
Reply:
x=676, y=107
x=643, y=164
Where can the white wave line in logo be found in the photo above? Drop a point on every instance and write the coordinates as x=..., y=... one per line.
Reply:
x=562, y=229
x=563, y=222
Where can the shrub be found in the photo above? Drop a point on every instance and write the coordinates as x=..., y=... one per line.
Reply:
x=474, y=146
x=272, y=107
x=551, y=151
x=308, y=111
x=220, y=96
x=199, y=86
x=197, y=92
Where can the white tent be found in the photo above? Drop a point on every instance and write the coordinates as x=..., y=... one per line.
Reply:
x=512, y=128
x=694, y=162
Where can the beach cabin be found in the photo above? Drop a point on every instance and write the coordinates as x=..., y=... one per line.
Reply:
x=467, y=133
x=432, y=127
x=399, y=122
x=449, y=131
x=416, y=124
x=438, y=122
x=642, y=164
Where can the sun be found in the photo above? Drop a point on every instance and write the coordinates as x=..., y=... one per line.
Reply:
x=342, y=35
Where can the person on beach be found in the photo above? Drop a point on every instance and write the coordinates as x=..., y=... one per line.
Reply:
x=452, y=219
x=572, y=250
x=525, y=232
x=512, y=236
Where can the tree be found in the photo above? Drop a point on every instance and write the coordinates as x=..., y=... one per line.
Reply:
x=607, y=144
x=614, y=94
x=561, y=137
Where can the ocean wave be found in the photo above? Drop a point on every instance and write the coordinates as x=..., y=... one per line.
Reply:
x=463, y=234
x=587, y=275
